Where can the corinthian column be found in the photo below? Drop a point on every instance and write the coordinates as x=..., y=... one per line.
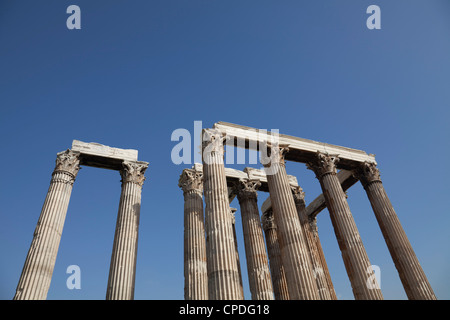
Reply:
x=411, y=273
x=38, y=268
x=195, y=269
x=123, y=259
x=313, y=225
x=320, y=270
x=294, y=251
x=236, y=248
x=279, y=283
x=255, y=250
x=223, y=274
x=355, y=258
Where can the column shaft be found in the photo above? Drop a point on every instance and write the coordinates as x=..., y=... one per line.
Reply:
x=121, y=281
x=353, y=252
x=236, y=248
x=255, y=250
x=37, y=272
x=278, y=275
x=294, y=251
x=411, y=273
x=223, y=274
x=316, y=261
x=195, y=268
x=313, y=224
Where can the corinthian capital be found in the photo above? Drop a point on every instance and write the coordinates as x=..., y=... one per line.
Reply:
x=247, y=189
x=191, y=180
x=68, y=161
x=323, y=163
x=212, y=144
x=133, y=172
x=268, y=221
x=273, y=153
x=368, y=173
x=299, y=195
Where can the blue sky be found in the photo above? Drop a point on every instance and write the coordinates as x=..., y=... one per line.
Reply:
x=138, y=70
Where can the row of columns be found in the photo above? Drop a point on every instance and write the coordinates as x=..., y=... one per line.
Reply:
x=37, y=272
x=297, y=265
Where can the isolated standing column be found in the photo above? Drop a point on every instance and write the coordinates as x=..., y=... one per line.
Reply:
x=319, y=270
x=294, y=251
x=195, y=268
x=279, y=283
x=223, y=274
x=122, y=270
x=353, y=252
x=37, y=272
x=255, y=249
x=411, y=273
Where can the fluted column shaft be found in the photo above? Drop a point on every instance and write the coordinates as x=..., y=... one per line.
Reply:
x=195, y=268
x=236, y=248
x=37, y=271
x=255, y=249
x=223, y=275
x=278, y=275
x=411, y=274
x=294, y=251
x=353, y=252
x=122, y=272
x=317, y=263
x=326, y=271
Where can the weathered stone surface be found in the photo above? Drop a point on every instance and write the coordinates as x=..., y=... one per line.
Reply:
x=302, y=150
x=97, y=149
x=122, y=273
x=223, y=274
x=279, y=283
x=355, y=258
x=410, y=271
x=37, y=272
x=255, y=250
x=321, y=273
x=195, y=268
x=294, y=251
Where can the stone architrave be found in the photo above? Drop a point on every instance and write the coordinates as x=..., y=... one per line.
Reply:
x=294, y=250
x=410, y=271
x=355, y=258
x=279, y=283
x=121, y=281
x=223, y=274
x=37, y=272
x=195, y=268
x=255, y=249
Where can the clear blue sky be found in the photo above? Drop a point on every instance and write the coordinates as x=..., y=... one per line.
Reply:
x=137, y=70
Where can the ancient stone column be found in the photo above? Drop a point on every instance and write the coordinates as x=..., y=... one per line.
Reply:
x=223, y=274
x=123, y=259
x=38, y=268
x=294, y=251
x=411, y=273
x=315, y=232
x=319, y=269
x=353, y=252
x=255, y=249
x=236, y=248
x=279, y=283
x=195, y=268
